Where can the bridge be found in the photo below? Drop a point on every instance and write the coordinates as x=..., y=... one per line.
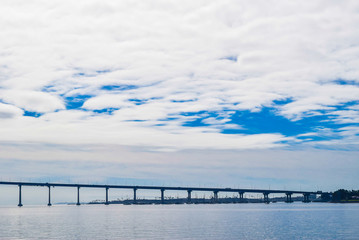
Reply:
x=162, y=189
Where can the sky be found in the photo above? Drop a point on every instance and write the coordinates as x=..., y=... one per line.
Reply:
x=251, y=94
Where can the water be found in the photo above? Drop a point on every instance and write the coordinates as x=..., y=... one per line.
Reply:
x=230, y=221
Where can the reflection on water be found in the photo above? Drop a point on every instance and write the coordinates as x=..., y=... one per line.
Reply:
x=232, y=221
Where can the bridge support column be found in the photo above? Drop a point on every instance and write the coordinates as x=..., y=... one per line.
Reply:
x=241, y=196
x=266, y=198
x=162, y=196
x=20, y=203
x=78, y=196
x=106, y=203
x=215, y=196
x=189, y=198
x=49, y=203
x=289, y=198
x=134, y=196
x=306, y=198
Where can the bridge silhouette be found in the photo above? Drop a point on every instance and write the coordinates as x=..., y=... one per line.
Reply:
x=162, y=189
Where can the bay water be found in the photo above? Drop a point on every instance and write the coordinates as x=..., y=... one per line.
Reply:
x=212, y=221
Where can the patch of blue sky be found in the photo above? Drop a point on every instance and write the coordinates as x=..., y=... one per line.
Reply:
x=160, y=125
x=76, y=102
x=200, y=118
x=32, y=114
x=347, y=105
x=92, y=73
x=283, y=101
x=108, y=111
x=136, y=120
x=137, y=101
x=169, y=119
x=266, y=121
x=183, y=101
x=103, y=71
x=232, y=58
x=346, y=82
x=80, y=74
x=50, y=88
x=118, y=87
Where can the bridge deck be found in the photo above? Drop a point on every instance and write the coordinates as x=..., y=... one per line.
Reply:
x=237, y=190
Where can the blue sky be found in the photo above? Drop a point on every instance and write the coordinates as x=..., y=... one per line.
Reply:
x=144, y=90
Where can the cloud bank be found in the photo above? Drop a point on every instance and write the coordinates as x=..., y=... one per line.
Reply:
x=178, y=75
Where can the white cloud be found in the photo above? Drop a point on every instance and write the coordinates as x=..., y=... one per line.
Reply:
x=74, y=127
x=32, y=100
x=107, y=101
x=183, y=57
x=9, y=111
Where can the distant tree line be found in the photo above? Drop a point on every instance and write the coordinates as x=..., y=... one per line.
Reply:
x=345, y=195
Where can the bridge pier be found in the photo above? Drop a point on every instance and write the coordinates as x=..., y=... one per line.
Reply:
x=289, y=198
x=49, y=203
x=20, y=203
x=106, y=203
x=78, y=196
x=241, y=198
x=162, y=196
x=189, y=198
x=265, y=197
x=134, y=196
x=306, y=198
x=215, y=196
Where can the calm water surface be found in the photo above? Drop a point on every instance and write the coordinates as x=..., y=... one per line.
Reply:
x=231, y=221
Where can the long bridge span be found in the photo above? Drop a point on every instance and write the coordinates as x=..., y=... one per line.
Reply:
x=162, y=189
